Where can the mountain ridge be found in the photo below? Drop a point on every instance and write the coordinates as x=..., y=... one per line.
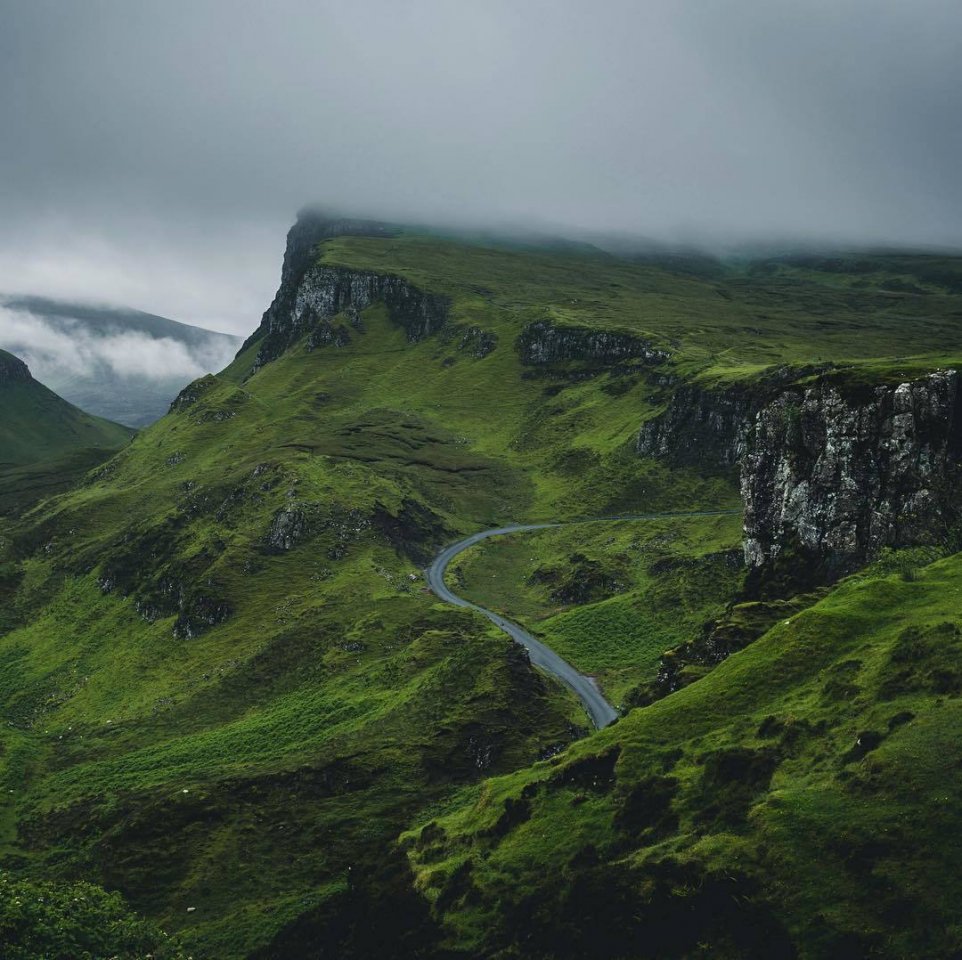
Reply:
x=249, y=680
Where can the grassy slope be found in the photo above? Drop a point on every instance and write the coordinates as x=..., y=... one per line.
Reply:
x=333, y=669
x=338, y=703
x=38, y=425
x=611, y=598
x=755, y=774
x=47, y=444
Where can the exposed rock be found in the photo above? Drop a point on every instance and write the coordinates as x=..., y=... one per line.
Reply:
x=311, y=294
x=841, y=478
x=700, y=428
x=327, y=334
x=13, y=369
x=193, y=392
x=287, y=528
x=543, y=342
x=477, y=342
x=300, y=521
x=199, y=614
x=830, y=472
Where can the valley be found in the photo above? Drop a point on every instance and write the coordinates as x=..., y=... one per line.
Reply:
x=229, y=693
x=121, y=364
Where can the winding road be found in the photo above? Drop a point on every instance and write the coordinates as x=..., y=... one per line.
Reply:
x=584, y=688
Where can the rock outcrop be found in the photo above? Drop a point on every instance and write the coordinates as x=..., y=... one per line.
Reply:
x=13, y=369
x=311, y=294
x=828, y=472
x=840, y=477
x=543, y=342
x=193, y=392
x=701, y=428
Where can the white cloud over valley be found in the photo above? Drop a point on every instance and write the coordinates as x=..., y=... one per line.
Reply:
x=66, y=349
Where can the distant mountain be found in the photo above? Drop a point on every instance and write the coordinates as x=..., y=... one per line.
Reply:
x=121, y=364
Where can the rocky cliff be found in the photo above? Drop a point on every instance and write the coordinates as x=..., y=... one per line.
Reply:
x=544, y=342
x=829, y=473
x=310, y=294
x=700, y=428
x=841, y=477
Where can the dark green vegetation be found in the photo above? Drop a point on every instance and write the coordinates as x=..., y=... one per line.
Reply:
x=67, y=921
x=45, y=442
x=800, y=797
x=223, y=686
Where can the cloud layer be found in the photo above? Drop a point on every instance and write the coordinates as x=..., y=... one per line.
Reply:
x=158, y=150
x=58, y=353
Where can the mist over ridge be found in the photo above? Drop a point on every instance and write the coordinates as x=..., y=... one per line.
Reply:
x=159, y=159
x=120, y=364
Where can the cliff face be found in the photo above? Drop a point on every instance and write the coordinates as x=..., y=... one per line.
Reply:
x=310, y=293
x=841, y=478
x=544, y=342
x=700, y=428
x=829, y=474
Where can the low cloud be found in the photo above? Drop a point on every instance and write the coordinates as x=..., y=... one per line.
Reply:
x=66, y=349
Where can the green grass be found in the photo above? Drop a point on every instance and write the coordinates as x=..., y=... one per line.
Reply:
x=845, y=843
x=40, y=426
x=747, y=317
x=610, y=597
x=315, y=702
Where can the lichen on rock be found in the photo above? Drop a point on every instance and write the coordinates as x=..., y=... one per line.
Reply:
x=544, y=341
x=832, y=472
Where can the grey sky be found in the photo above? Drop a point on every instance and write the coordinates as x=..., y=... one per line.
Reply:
x=153, y=152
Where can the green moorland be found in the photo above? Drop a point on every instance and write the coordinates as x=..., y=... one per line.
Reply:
x=225, y=692
x=800, y=799
x=610, y=597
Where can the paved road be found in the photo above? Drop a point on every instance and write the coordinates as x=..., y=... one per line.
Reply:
x=585, y=688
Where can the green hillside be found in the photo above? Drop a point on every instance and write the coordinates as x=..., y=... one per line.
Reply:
x=46, y=444
x=38, y=425
x=797, y=800
x=227, y=694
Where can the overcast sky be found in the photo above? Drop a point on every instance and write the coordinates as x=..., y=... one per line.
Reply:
x=154, y=152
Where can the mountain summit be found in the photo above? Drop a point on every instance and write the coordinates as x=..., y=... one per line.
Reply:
x=13, y=369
